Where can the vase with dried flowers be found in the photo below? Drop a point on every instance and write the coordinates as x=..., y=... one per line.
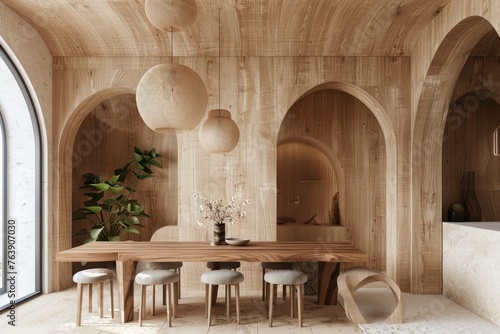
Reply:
x=219, y=213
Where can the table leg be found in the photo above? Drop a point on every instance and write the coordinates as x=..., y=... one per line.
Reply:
x=125, y=273
x=328, y=272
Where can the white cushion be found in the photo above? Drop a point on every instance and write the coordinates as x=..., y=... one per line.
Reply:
x=156, y=277
x=285, y=277
x=222, y=277
x=95, y=275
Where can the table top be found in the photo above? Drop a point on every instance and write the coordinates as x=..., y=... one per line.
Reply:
x=188, y=251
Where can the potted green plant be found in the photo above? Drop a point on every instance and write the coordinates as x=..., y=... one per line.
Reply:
x=111, y=207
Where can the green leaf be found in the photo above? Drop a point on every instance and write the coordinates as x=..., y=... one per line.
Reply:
x=144, y=176
x=114, y=238
x=117, y=190
x=78, y=215
x=101, y=186
x=91, y=202
x=131, y=229
x=133, y=220
x=138, y=157
x=154, y=162
x=137, y=150
x=94, y=209
x=153, y=153
x=89, y=176
x=95, y=231
x=112, y=181
x=83, y=231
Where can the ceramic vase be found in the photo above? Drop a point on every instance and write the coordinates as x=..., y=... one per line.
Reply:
x=472, y=208
x=219, y=235
x=456, y=212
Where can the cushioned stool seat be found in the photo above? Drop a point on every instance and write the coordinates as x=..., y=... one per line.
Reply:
x=296, y=280
x=222, y=277
x=89, y=277
x=266, y=266
x=156, y=277
x=175, y=266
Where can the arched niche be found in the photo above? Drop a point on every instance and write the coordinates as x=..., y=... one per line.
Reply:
x=306, y=184
x=105, y=140
x=340, y=128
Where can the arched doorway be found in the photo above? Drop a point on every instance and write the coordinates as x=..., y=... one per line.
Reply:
x=349, y=130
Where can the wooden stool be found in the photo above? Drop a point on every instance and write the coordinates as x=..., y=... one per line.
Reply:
x=222, y=277
x=89, y=277
x=175, y=266
x=156, y=277
x=296, y=280
x=266, y=266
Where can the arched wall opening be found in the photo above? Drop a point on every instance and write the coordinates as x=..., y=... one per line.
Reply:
x=99, y=137
x=438, y=89
x=358, y=138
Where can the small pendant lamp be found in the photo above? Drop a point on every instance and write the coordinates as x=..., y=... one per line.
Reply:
x=219, y=133
x=171, y=98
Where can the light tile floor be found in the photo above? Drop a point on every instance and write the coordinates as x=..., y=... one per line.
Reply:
x=56, y=313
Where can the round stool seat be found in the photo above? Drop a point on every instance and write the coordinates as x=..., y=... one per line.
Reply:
x=90, y=276
x=223, y=265
x=285, y=277
x=277, y=265
x=156, y=277
x=222, y=277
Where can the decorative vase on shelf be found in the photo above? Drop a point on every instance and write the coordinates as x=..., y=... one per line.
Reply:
x=219, y=236
x=456, y=212
x=472, y=208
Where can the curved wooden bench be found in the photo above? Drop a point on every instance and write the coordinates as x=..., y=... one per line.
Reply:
x=355, y=278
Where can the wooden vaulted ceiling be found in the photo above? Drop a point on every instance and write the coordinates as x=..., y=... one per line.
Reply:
x=107, y=28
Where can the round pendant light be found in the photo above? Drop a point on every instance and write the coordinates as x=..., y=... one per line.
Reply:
x=171, y=15
x=171, y=98
x=219, y=133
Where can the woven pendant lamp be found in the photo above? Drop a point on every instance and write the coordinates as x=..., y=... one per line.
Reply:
x=171, y=15
x=171, y=98
x=219, y=133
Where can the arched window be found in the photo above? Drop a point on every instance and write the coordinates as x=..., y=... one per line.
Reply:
x=20, y=187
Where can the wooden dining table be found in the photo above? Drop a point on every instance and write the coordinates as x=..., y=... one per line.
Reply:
x=126, y=253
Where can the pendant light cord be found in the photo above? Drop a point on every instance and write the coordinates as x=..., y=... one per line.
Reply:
x=219, y=62
x=172, y=49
